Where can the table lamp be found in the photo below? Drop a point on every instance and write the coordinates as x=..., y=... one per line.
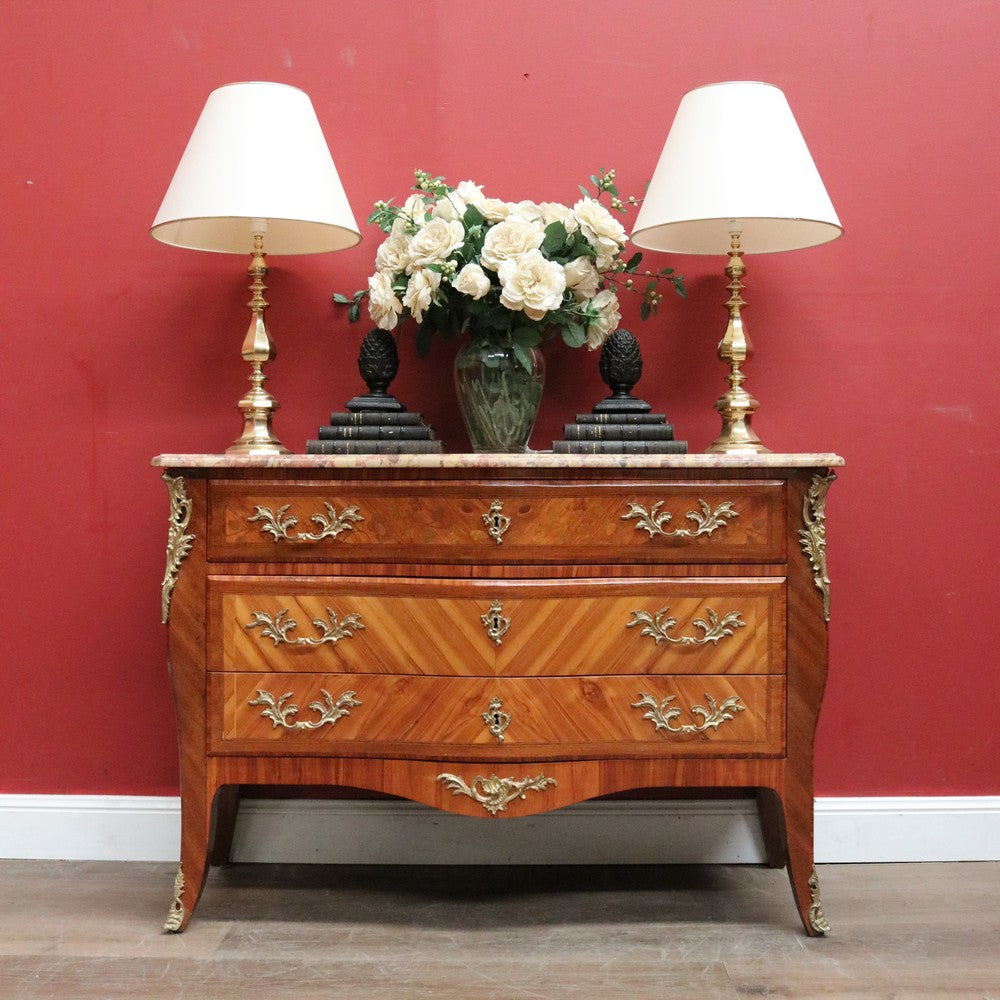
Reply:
x=256, y=174
x=735, y=177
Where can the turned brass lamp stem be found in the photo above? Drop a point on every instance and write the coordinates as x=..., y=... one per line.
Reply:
x=737, y=406
x=258, y=404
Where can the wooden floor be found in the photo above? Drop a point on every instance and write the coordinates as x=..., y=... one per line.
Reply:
x=93, y=930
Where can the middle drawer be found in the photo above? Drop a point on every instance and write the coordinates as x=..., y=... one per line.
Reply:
x=483, y=628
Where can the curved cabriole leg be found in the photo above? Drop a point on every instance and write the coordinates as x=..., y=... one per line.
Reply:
x=801, y=870
x=772, y=827
x=227, y=804
x=190, y=879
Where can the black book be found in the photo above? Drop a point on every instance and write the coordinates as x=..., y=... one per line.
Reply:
x=620, y=418
x=377, y=432
x=374, y=417
x=618, y=432
x=363, y=447
x=619, y=447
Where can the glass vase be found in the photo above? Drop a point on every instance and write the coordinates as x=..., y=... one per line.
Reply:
x=497, y=396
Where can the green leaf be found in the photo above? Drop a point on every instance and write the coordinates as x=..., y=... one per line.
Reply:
x=667, y=271
x=473, y=217
x=341, y=300
x=526, y=336
x=555, y=238
x=644, y=310
x=523, y=355
x=574, y=335
x=354, y=313
x=583, y=191
x=633, y=262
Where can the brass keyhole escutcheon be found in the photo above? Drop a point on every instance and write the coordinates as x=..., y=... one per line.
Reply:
x=496, y=521
x=495, y=623
x=496, y=719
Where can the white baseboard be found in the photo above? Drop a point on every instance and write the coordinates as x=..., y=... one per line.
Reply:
x=147, y=828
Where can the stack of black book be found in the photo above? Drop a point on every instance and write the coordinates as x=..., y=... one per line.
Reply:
x=620, y=424
x=375, y=423
x=620, y=434
x=374, y=432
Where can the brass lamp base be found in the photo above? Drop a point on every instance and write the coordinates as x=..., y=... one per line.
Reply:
x=737, y=406
x=258, y=405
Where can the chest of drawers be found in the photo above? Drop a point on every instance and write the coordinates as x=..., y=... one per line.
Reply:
x=497, y=635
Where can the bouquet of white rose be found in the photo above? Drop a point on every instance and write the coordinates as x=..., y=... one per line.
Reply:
x=458, y=262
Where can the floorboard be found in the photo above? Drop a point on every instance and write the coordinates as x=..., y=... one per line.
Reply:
x=82, y=931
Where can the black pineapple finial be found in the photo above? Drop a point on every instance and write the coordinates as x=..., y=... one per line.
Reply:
x=621, y=368
x=378, y=363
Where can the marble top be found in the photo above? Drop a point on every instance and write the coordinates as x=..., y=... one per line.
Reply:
x=525, y=460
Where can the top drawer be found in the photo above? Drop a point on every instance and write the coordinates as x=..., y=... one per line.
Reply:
x=497, y=522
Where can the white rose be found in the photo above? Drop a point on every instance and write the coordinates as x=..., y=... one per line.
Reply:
x=607, y=320
x=393, y=254
x=420, y=292
x=383, y=305
x=509, y=239
x=411, y=215
x=602, y=230
x=532, y=284
x=553, y=211
x=527, y=210
x=582, y=278
x=493, y=209
x=472, y=280
x=435, y=242
x=471, y=194
x=451, y=208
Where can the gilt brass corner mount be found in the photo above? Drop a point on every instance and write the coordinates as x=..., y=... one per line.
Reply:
x=175, y=916
x=178, y=541
x=813, y=536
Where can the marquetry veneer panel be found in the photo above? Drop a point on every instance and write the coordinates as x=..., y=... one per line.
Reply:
x=418, y=716
x=431, y=522
x=550, y=628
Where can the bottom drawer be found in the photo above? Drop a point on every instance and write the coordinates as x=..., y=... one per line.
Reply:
x=529, y=717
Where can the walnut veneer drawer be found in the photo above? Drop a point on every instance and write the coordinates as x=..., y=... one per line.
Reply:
x=316, y=714
x=482, y=628
x=496, y=522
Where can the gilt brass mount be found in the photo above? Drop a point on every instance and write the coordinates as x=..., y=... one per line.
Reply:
x=495, y=623
x=658, y=627
x=654, y=521
x=279, y=525
x=662, y=715
x=496, y=719
x=175, y=915
x=278, y=628
x=817, y=921
x=280, y=712
x=813, y=536
x=496, y=521
x=493, y=793
x=178, y=541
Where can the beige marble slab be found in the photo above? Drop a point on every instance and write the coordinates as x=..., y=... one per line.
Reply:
x=526, y=460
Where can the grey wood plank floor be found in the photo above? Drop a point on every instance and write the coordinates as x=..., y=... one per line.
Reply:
x=80, y=931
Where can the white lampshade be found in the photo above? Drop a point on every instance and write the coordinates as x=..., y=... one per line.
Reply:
x=257, y=153
x=735, y=160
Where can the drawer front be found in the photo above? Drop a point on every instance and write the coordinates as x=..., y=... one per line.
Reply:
x=496, y=628
x=497, y=522
x=300, y=712
x=524, y=717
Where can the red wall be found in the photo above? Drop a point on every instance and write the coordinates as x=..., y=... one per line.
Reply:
x=879, y=346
